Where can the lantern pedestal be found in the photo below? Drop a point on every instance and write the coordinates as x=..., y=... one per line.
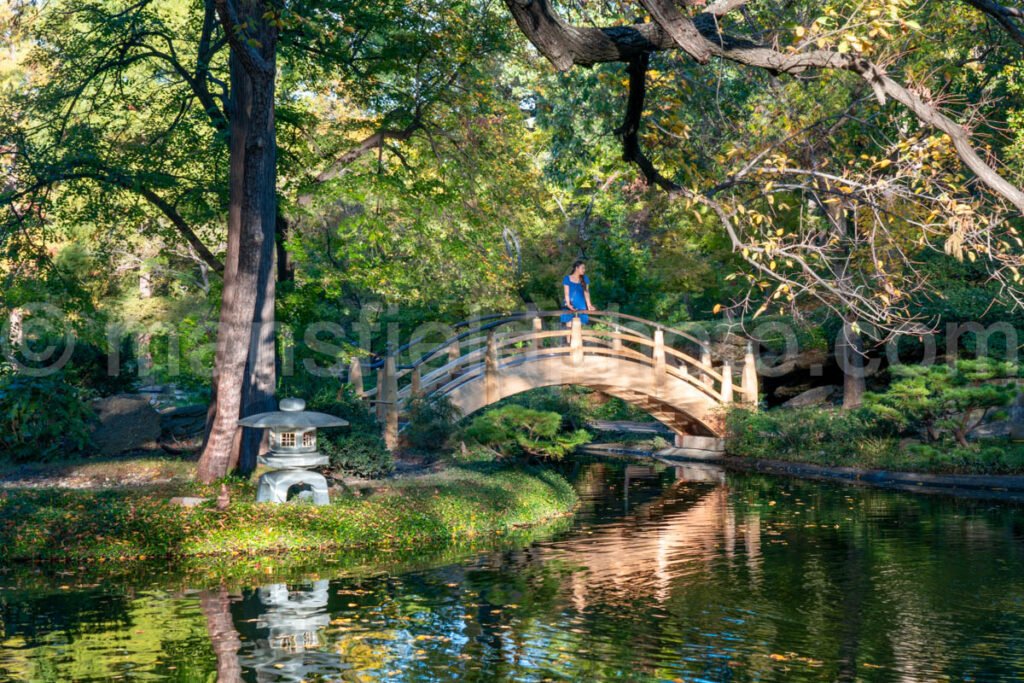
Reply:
x=273, y=486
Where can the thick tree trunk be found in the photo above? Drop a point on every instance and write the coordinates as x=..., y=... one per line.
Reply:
x=248, y=275
x=261, y=370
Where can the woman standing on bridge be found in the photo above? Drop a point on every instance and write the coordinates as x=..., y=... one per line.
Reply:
x=576, y=293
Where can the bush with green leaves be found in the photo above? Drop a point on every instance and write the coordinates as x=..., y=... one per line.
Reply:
x=570, y=402
x=42, y=418
x=940, y=400
x=360, y=455
x=431, y=422
x=827, y=436
x=518, y=432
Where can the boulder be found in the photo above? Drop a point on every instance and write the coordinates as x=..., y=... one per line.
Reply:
x=183, y=421
x=992, y=430
x=126, y=422
x=812, y=397
x=187, y=501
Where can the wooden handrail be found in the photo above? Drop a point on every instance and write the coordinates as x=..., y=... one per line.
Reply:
x=488, y=322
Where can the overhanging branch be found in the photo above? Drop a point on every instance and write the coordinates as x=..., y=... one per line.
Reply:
x=565, y=45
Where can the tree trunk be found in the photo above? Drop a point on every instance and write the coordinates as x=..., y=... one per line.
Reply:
x=285, y=266
x=853, y=367
x=261, y=369
x=251, y=217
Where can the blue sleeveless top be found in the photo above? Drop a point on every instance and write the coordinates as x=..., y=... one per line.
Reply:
x=577, y=298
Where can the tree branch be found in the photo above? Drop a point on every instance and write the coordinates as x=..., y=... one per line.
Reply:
x=132, y=184
x=629, y=131
x=255, y=63
x=371, y=142
x=565, y=46
x=680, y=27
x=1002, y=15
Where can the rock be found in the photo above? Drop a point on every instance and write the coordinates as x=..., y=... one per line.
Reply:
x=991, y=430
x=812, y=397
x=125, y=422
x=187, y=501
x=798, y=362
x=183, y=421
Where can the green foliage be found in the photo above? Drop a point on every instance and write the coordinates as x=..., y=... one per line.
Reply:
x=824, y=436
x=939, y=399
x=431, y=422
x=361, y=455
x=835, y=437
x=42, y=418
x=567, y=401
x=518, y=432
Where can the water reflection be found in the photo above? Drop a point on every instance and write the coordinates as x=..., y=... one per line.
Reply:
x=287, y=644
x=669, y=573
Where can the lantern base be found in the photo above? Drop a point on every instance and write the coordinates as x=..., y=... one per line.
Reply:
x=273, y=486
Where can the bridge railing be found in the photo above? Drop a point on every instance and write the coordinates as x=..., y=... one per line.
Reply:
x=489, y=343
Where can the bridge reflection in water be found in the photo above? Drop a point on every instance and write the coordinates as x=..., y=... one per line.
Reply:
x=640, y=556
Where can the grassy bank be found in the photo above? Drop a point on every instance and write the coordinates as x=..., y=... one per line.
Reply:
x=455, y=505
x=833, y=437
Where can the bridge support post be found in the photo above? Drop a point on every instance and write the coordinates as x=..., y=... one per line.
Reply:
x=453, y=355
x=355, y=376
x=538, y=327
x=416, y=388
x=748, y=381
x=658, y=358
x=616, y=340
x=705, y=360
x=390, y=403
x=726, y=382
x=379, y=406
x=576, y=342
x=491, y=368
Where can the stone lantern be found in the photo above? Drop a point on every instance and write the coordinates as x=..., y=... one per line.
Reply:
x=292, y=450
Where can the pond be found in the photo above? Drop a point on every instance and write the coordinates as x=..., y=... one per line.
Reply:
x=668, y=573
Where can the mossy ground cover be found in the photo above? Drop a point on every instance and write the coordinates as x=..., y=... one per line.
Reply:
x=456, y=505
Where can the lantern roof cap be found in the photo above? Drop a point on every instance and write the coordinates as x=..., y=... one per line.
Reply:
x=292, y=415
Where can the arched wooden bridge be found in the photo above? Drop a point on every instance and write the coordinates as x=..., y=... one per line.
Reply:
x=667, y=372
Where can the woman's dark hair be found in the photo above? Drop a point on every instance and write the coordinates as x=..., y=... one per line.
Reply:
x=576, y=264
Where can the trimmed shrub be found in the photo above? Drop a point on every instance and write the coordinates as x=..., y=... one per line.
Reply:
x=518, y=432
x=360, y=455
x=431, y=423
x=939, y=400
x=822, y=435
